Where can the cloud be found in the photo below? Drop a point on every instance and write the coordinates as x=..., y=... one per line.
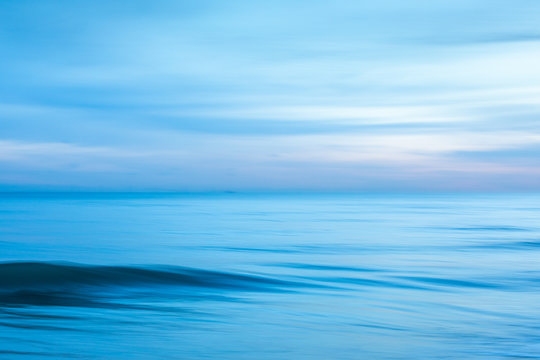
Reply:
x=239, y=94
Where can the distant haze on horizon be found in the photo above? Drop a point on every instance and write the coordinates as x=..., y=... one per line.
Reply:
x=278, y=95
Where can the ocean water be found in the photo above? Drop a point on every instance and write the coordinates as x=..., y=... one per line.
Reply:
x=270, y=276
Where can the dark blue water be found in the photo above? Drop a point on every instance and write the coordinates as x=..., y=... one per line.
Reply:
x=233, y=276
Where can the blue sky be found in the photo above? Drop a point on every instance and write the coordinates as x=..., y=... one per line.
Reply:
x=275, y=95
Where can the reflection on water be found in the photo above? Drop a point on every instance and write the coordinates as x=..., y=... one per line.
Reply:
x=232, y=276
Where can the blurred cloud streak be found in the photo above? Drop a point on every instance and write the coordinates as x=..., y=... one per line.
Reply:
x=346, y=95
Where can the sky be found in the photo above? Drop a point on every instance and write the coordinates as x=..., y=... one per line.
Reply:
x=244, y=95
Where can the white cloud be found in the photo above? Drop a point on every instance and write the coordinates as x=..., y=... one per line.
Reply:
x=336, y=114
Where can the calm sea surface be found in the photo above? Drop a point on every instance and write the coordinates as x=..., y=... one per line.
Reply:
x=235, y=276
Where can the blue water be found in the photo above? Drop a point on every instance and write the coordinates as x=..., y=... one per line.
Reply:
x=237, y=276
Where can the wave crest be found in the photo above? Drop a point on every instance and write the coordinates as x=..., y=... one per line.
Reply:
x=41, y=283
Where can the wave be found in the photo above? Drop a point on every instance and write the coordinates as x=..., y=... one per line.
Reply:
x=43, y=275
x=92, y=286
x=41, y=283
x=489, y=228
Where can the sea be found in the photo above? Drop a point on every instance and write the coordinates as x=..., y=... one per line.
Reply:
x=266, y=276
